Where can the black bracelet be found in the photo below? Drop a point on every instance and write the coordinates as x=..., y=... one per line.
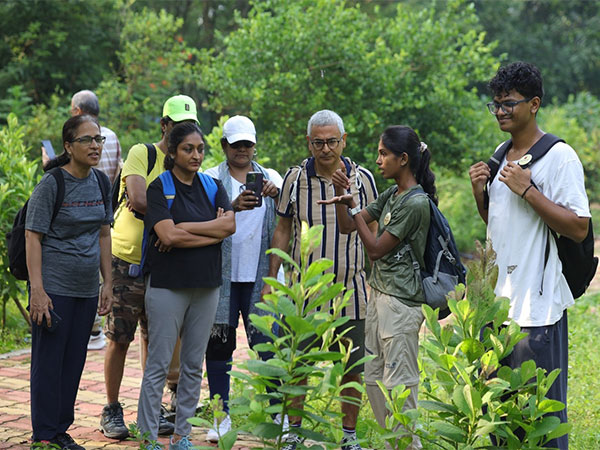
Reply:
x=525, y=191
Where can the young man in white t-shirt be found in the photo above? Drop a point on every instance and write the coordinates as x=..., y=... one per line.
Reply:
x=245, y=262
x=518, y=218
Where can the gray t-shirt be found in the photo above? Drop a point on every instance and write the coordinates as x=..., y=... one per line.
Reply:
x=71, y=245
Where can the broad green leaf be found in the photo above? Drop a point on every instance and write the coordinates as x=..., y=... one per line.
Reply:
x=449, y=431
x=545, y=426
x=472, y=348
x=265, y=369
x=548, y=406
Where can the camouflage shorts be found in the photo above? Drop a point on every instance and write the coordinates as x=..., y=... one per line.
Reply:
x=128, y=307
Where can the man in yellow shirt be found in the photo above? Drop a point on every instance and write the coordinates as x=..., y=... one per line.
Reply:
x=143, y=165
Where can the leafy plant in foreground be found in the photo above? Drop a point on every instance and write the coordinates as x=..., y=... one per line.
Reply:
x=310, y=370
x=470, y=394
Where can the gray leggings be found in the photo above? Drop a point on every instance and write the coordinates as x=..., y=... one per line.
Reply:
x=188, y=313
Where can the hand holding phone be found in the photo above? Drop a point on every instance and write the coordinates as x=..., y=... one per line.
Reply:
x=55, y=320
x=49, y=149
x=254, y=183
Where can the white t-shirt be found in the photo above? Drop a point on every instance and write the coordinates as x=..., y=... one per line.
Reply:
x=246, y=241
x=519, y=236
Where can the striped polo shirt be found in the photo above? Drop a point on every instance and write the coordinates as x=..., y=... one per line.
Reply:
x=302, y=187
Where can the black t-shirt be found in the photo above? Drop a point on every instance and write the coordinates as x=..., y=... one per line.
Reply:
x=183, y=267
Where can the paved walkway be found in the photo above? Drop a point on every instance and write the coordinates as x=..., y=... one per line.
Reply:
x=15, y=419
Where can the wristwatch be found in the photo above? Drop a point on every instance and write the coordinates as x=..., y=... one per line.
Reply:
x=354, y=211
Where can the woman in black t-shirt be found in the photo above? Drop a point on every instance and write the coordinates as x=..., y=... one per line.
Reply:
x=185, y=226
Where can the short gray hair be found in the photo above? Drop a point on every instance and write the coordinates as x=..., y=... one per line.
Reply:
x=324, y=118
x=87, y=102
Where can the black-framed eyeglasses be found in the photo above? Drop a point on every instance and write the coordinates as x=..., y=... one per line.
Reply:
x=332, y=143
x=87, y=140
x=507, y=107
x=239, y=144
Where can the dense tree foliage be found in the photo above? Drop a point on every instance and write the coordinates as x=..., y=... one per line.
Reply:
x=561, y=37
x=56, y=45
x=288, y=60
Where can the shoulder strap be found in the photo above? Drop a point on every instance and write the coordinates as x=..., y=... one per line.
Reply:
x=412, y=193
x=168, y=187
x=105, y=187
x=60, y=193
x=210, y=187
x=538, y=150
x=151, y=157
x=295, y=184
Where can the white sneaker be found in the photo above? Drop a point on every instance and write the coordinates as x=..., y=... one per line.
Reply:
x=224, y=427
x=96, y=342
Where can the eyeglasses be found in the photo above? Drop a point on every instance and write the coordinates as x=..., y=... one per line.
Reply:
x=332, y=143
x=507, y=107
x=239, y=144
x=87, y=140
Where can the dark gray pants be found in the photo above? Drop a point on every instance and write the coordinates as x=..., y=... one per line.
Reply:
x=548, y=346
x=188, y=313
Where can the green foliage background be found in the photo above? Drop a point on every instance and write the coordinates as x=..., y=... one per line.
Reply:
x=419, y=63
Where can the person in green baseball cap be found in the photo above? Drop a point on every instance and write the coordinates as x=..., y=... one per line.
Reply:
x=180, y=108
x=143, y=165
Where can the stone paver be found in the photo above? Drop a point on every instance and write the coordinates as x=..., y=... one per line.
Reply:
x=15, y=419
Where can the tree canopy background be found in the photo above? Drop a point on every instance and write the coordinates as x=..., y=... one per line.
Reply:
x=377, y=63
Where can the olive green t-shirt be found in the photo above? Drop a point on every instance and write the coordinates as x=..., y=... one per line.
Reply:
x=393, y=273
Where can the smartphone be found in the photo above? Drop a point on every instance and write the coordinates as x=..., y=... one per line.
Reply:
x=254, y=183
x=54, y=321
x=49, y=149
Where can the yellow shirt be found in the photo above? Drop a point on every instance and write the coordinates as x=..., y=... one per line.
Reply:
x=128, y=230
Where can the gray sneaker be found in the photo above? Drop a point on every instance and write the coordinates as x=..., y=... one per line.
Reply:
x=112, y=424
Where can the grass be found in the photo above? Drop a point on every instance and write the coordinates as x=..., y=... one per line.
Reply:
x=584, y=373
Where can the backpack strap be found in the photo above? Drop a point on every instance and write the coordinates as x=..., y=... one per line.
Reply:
x=60, y=192
x=168, y=187
x=407, y=247
x=105, y=188
x=210, y=187
x=537, y=151
x=494, y=165
x=151, y=157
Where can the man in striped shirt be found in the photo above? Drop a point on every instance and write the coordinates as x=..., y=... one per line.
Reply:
x=303, y=186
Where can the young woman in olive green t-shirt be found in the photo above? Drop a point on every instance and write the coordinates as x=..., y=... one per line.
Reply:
x=394, y=314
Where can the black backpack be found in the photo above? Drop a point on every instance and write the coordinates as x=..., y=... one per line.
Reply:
x=116, y=186
x=443, y=269
x=578, y=261
x=15, y=239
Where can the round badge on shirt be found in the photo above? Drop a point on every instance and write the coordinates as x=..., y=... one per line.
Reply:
x=387, y=218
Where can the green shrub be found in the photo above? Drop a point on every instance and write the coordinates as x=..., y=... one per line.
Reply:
x=469, y=394
x=18, y=177
x=294, y=310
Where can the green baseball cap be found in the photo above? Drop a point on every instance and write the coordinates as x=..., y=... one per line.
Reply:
x=180, y=108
